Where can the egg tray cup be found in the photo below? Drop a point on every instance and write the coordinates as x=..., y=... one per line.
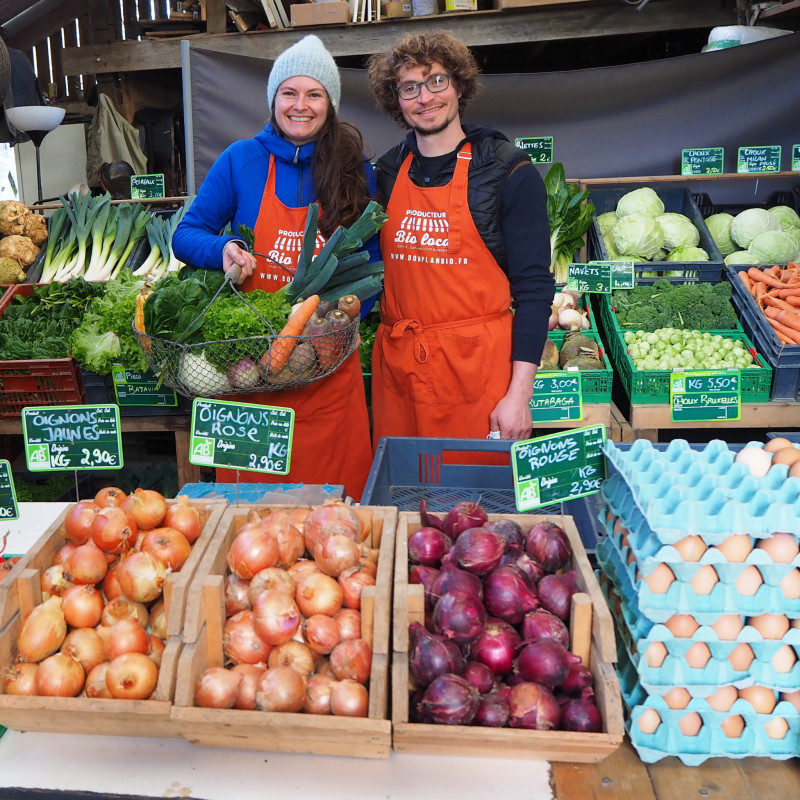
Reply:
x=682, y=491
x=711, y=741
x=631, y=624
x=681, y=597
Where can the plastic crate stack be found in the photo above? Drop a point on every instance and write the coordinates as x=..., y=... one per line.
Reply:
x=708, y=622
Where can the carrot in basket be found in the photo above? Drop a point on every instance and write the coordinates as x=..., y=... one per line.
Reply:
x=762, y=277
x=278, y=354
x=774, y=270
x=785, y=334
x=745, y=279
x=791, y=319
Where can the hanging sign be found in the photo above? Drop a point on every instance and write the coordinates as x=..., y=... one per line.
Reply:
x=556, y=397
x=702, y=161
x=796, y=158
x=8, y=497
x=558, y=467
x=759, y=159
x=141, y=389
x=539, y=148
x=705, y=396
x=72, y=437
x=145, y=186
x=241, y=436
x=594, y=277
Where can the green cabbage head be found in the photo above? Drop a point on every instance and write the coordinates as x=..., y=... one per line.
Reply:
x=741, y=257
x=774, y=247
x=719, y=226
x=640, y=201
x=679, y=230
x=611, y=248
x=638, y=235
x=688, y=254
x=749, y=223
x=788, y=217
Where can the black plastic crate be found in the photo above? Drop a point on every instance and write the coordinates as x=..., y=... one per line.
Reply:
x=100, y=390
x=779, y=198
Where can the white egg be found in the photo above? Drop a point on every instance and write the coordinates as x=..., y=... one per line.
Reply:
x=756, y=459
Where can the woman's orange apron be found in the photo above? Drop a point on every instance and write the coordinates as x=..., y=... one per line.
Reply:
x=331, y=425
x=442, y=355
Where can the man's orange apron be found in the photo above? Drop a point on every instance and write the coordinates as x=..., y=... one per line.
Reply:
x=442, y=355
x=331, y=425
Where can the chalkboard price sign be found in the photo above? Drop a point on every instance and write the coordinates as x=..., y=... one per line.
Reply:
x=558, y=467
x=593, y=277
x=8, y=498
x=539, y=148
x=72, y=437
x=144, y=186
x=141, y=389
x=556, y=397
x=705, y=396
x=759, y=159
x=796, y=158
x=241, y=436
x=702, y=161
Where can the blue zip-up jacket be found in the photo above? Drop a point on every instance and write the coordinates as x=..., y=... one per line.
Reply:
x=232, y=192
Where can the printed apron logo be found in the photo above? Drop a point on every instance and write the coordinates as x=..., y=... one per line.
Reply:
x=423, y=237
x=286, y=251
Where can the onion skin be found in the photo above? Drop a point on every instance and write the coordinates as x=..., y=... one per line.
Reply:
x=427, y=577
x=352, y=659
x=147, y=506
x=349, y=699
x=450, y=700
x=493, y=711
x=462, y=516
x=240, y=641
x=318, y=694
x=578, y=679
x=581, y=714
x=548, y=544
x=59, y=675
x=95, y=685
x=78, y=521
x=276, y=617
x=185, y=518
x=452, y=578
x=479, y=675
x=281, y=689
x=431, y=655
x=495, y=646
x=132, y=676
x=479, y=551
x=507, y=596
x=87, y=563
x=217, y=688
x=141, y=576
x=555, y=595
x=545, y=662
x=246, y=693
x=86, y=646
x=427, y=546
x=459, y=616
x=43, y=631
x=533, y=707
x=20, y=679
x=511, y=532
x=543, y=624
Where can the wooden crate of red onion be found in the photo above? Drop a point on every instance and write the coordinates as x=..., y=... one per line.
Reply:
x=451, y=623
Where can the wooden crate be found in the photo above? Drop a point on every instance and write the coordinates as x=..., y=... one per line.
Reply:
x=369, y=737
x=592, y=634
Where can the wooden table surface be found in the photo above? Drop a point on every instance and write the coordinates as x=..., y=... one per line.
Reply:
x=622, y=776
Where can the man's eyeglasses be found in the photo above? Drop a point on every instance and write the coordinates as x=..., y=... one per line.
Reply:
x=434, y=84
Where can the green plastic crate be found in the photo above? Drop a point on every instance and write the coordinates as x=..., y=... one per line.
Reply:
x=595, y=383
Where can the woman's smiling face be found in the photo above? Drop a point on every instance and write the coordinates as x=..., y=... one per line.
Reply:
x=301, y=109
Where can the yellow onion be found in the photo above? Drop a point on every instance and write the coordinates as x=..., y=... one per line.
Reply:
x=86, y=647
x=42, y=632
x=131, y=676
x=59, y=676
x=141, y=576
x=20, y=679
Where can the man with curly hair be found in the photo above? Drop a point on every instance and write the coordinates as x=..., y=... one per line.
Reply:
x=467, y=241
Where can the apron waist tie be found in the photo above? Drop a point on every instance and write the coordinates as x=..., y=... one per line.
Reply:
x=400, y=326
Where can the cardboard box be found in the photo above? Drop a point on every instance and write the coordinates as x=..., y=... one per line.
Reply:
x=397, y=8
x=329, y=13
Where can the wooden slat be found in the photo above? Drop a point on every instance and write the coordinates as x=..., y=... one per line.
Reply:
x=766, y=777
x=673, y=781
x=580, y=626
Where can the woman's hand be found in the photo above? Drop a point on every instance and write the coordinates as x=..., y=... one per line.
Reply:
x=232, y=254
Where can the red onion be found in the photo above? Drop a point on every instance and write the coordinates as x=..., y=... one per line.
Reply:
x=511, y=532
x=431, y=655
x=429, y=520
x=533, y=706
x=479, y=675
x=543, y=624
x=450, y=700
x=546, y=662
x=427, y=546
x=452, y=578
x=495, y=646
x=427, y=577
x=462, y=516
x=547, y=543
x=478, y=551
x=578, y=678
x=555, y=595
x=506, y=594
x=581, y=714
x=532, y=569
x=459, y=616
x=493, y=711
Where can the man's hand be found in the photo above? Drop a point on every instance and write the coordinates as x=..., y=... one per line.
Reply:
x=512, y=414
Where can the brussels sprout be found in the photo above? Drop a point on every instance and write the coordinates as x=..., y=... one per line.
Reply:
x=719, y=226
x=679, y=231
x=749, y=223
x=640, y=201
x=638, y=235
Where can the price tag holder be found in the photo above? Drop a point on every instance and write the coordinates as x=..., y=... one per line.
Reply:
x=8, y=497
x=759, y=159
x=141, y=389
x=623, y=274
x=558, y=467
x=705, y=395
x=557, y=397
x=539, y=148
x=144, y=186
x=796, y=158
x=72, y=437
x=703, y=161
x=241, y=436
x=594, y=277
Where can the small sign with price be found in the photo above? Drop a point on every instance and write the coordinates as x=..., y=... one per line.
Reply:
x=141, y=389
x=702, y=161
x=594, y=277
x=796, y=158
x=705, y=396
x=144, y=186
x=72, y=437
x=556, y=397
x=623, y=274
x=241, y=436
x=558, y=467
x=539, y=148
x=759, y=159
x=8, y=497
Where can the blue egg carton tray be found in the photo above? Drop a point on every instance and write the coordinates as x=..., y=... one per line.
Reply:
x=684, y=489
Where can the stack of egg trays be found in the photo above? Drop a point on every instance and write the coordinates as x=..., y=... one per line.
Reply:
x=689, y=490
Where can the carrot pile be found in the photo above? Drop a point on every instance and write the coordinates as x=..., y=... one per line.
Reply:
x=776, y=291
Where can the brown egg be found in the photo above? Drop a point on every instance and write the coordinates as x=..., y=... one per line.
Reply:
x=784, y=660
x=782, y=548
x=698, y=655
x=655, y=654
x=770, y=626
x=760, y=698
x=792, y=697
x=741, y=657
x=749, y=581
x=728, y=626
x=682, y=626
x=704, y=580
x=723, y=698
x=690, y=724
x=776, y=728
x=690, y=548
x=776, y=444
x=660, y=579
x=649, y=720
x=678, y=697
x=733, y=726
x=735, y=548
x=788, y=456
x=790, y=584
x=794, y=470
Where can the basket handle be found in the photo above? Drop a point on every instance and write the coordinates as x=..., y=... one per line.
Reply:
x=233, y=274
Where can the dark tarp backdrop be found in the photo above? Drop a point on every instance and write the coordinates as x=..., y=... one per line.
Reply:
x=607, y=122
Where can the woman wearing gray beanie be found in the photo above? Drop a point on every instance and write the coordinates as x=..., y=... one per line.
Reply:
x=305, y=154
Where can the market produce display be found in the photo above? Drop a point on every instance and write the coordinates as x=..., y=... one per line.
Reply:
x=578, y=351
x=757, y=235
x=672, y=348
x=775, y=291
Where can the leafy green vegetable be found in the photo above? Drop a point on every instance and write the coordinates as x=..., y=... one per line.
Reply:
x=749, y=223
x=638, y=235
x=367, y=330
x=640, y=201
x=699, y=306
x=95, y=349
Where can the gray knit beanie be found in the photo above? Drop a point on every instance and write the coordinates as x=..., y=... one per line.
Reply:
x=307, y=57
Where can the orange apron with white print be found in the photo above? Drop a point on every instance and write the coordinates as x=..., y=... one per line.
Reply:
x=331, y=426
x=442, y=355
